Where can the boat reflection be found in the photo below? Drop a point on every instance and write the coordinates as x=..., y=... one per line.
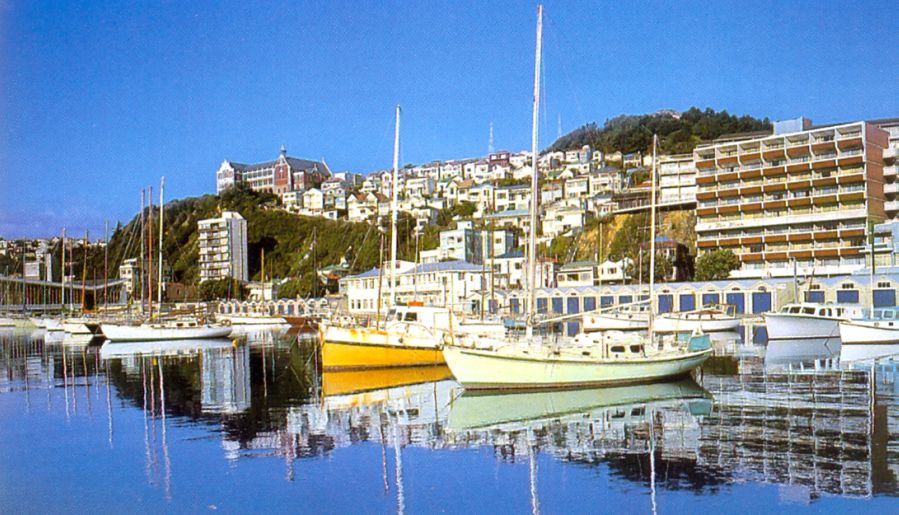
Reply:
x=802, y=353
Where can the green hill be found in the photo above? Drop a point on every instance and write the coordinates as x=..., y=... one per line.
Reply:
x=678, y=132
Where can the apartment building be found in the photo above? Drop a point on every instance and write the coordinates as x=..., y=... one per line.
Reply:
x=223, y=247
x=676, y=180
x=803, y=194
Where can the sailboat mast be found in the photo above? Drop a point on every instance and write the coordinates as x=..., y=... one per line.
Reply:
x=150, y=251
x=652, y=230
x=535, y=197
x=62, y=270
x=106, y=266
x=393, y=207
x=161, y=211
x=84, y=270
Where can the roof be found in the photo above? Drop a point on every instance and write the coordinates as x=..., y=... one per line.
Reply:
x=445, y=266
x=578, y=264
x=508, y=213
x=512, y=254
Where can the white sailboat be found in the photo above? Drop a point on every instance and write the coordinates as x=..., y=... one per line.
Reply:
x=178, y=328
x=633, y=317
x=708, y=319
x=590, y=359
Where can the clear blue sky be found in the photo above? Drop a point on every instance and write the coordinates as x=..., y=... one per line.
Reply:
x=102, y=98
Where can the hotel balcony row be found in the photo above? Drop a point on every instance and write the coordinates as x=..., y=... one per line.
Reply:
x=779, y=179
x=799, y=241
x=793, y=232
x=798, y=251
x=786, y=216
x=769, y=148
x=783, y=199
x=822, y=166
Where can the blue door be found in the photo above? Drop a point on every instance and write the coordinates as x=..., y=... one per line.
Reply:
x=572, y=328
x=761, y=301
x=686, y=302
x=814, y=296
x=513, y=306
x=589, y=303
x=738, y=300
x=710, y=298
x=557, y=304
x=574, y=305
x=625, y=299
x=847, y=296
x=884, y=298
x=606, y=300
x=666, y=303
x=541, y=305
x=492, y=304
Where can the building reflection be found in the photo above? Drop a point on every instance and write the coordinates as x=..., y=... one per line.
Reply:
x=225, y=379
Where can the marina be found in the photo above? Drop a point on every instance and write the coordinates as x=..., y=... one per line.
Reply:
x=191, y=425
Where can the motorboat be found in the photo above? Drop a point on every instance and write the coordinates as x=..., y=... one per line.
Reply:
x=711, y=318
x=175, y=329
x=808, y=320
x=879, y=327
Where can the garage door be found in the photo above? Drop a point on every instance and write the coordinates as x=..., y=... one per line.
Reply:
x=710, y=298
x=666, y=303
x=884, y=298
x=625, y=299
x=589, y=303
x=814, y=296
x=513, y=306
x=686, y=302
x=738, y=300
x=761, y=301
x=847, y=296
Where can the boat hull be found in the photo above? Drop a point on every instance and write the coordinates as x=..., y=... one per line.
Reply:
x=863, y=332
x=488, y=370
x=350, y=348
x=80, y=327
x=665, y=324
x=128, y=333
x=792, y=327
x=7, y=322
x=615, y=322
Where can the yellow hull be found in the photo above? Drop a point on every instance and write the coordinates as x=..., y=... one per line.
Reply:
x=354, y=381
x=372, y=348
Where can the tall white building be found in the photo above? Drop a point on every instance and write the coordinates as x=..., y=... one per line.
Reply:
x=223, y=247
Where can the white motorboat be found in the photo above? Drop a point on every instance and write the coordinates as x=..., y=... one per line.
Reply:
x=627, y=318
x=808, y=320
x=873, y=336
x=179, y=329
x=592, y=359
x=708, y=319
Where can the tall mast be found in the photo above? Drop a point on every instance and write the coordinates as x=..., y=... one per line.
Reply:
x=161, y=211
x=106, y=267
x=84, y=269
x=393, y=207
x=140, y=262
x=652, y=230
x=150, y=251
x=62, y=270
x=535, y=197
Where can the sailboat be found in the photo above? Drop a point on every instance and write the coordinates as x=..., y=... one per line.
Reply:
x=409, y=336
x=589, y=359
x=157, y=329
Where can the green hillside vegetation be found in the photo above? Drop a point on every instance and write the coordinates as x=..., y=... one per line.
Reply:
x=633, y=133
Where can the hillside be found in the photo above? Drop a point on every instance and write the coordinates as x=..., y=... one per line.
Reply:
x=678, y=133
x=286, y=238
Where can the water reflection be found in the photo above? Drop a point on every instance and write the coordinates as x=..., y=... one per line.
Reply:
x=790, y=415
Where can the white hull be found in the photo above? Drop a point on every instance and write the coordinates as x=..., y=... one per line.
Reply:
x=616, y=322
x=76, y=327
x=858, y=332
x=675, y=324
x=50, y=324
x=254, y=320
x=795, y=327
x=488, y=369
x=478, y=328
x=7, y=322
x=160, y=348
x=138, y=333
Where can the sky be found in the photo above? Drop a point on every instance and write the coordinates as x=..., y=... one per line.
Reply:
x=100, y=99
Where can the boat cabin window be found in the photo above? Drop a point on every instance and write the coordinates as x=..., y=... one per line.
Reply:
x=793, y=309
x=617, y=348
x=808, y=311
x=411, y=317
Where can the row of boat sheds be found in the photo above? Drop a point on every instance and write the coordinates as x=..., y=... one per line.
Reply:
x=750, y=297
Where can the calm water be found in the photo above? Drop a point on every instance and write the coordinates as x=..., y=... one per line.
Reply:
x=254, y=427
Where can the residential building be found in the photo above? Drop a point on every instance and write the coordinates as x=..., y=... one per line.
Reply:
x=462, y=243
x=563, y=217
x=510, y=271
x=279, y=176
x=223, y=247
x=805, y=197
x=676, y=180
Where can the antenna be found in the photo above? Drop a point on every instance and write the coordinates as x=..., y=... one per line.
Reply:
x=490, y=147
x=559, y=127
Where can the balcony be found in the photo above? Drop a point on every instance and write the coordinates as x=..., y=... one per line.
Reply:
x=890, y=153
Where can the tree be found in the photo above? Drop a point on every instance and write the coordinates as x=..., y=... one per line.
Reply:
x=226, y=288
x=639, y=269
x=716, y=265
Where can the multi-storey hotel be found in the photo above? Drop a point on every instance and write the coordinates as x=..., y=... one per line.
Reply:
x=223, y=247
x=805, y=195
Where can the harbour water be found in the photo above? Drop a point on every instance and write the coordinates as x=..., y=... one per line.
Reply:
x=253, y=426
